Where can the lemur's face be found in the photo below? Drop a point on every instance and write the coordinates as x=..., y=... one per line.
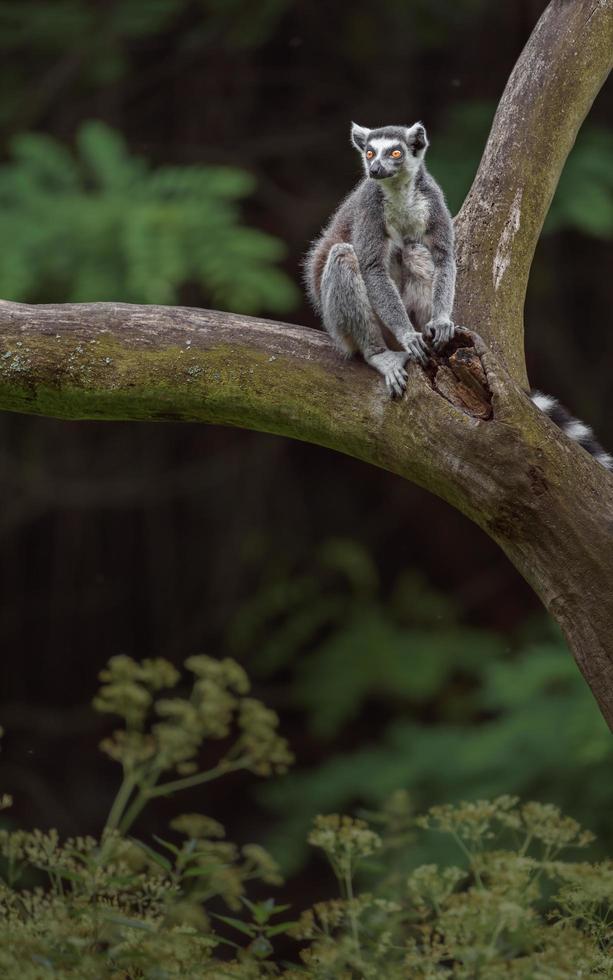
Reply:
x=384, y=157
x=390, y=150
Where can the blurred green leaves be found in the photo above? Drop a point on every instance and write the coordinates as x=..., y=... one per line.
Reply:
x=88, y=38
x=408, y=667
x=101, y=225
x=67, y=22
x=457, y=146
x=95, y=42
x=400, y=693
x=584, y=197
x=242, y=24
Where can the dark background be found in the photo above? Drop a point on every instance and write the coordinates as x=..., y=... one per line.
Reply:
x=394, y=639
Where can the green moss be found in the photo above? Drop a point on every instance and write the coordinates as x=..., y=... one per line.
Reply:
x=100, y=378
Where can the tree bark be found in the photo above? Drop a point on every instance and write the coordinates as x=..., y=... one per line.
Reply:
x=465, y=429
x=555, y=81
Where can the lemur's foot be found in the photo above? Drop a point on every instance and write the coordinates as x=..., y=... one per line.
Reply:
x=440, y=332
x=390, y=364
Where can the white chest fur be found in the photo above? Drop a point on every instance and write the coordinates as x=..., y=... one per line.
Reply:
x=406, y=212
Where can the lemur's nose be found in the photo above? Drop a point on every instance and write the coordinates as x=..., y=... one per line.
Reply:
x=376, y=169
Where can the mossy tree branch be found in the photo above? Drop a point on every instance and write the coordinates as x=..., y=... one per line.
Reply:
x=465, y=429
x=504, y=465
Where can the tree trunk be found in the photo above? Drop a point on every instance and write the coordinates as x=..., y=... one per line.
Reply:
x=551, y=89
x=465, y=429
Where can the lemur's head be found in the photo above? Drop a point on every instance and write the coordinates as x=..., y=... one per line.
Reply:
x=390, y=150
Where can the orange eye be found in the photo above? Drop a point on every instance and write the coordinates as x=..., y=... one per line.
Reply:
x=369, y=154
x=396, y=154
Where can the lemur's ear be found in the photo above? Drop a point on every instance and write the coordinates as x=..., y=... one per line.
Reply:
x=417, y=139
x=359, y=136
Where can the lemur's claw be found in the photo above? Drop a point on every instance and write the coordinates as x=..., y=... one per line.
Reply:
x=391, y=365
x=415, y=345
x=440, y=332
x=396, y=381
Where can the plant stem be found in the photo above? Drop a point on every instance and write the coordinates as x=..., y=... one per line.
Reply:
x=137, y=804
x=140, y=800
x=470, y=858
x=524, y=849
x=115, y=814
x=119, y=804
x=352, y=915
x=164, y=789
x=199, y=777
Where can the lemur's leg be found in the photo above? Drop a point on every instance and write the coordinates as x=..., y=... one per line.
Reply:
x=441, y=328
x=349, y=319
x=416, y=284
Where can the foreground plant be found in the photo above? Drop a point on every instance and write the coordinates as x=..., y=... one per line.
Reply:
x=121, y=909
x=218, y=701
x=520, y=912
x=115, y=906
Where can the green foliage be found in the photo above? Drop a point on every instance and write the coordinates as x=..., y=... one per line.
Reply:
x=584, y=197
x=482, y=919
x=73, y=21
x=459, y=711
x=241, y=23
x=146, y=749
x=106, y=29
x=89, y=37
x=456, y=151
x=103, y=226
x=118, y=908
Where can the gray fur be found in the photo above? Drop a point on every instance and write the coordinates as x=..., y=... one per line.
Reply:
x=386, y=257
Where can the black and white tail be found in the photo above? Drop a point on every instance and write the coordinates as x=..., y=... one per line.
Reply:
x=574, y=428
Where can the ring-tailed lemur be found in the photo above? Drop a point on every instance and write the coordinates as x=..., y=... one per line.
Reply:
x=385, y=260
x=386, y=257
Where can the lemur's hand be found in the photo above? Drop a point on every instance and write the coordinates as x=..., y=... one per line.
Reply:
x=440, y=330
x=415, y=344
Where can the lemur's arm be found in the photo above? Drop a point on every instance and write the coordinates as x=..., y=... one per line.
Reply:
x=439, y=239
x=371, y=247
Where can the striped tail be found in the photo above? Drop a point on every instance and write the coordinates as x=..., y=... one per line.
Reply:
x=574, y=428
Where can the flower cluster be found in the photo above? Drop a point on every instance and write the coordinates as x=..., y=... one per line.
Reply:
x=475, y=821
x=116, y=907
x=216, y=703
x=259, y=741
x=128, y=687
x=344, y=840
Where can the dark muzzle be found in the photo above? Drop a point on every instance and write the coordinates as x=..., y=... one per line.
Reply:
x=377, y=170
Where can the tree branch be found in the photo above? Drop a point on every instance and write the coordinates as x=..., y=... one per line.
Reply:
x=547, y=97
x=465, y=430
x=120, y=361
